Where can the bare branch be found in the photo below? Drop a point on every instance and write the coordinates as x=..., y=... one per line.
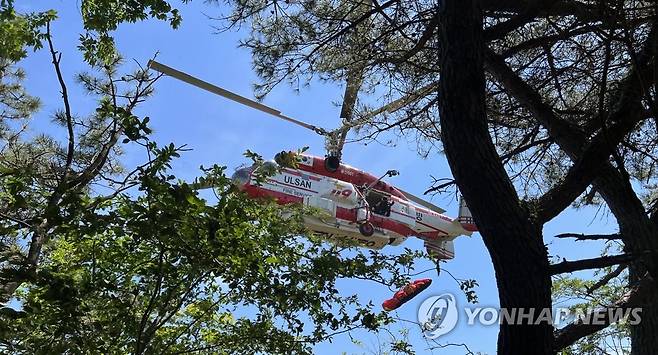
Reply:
x=614, y=236
x=439, y=185
x=56, y=58
x=605, y=279
x=595, y=263
x=16, y=220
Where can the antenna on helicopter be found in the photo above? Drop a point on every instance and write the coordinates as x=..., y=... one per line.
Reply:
x=389, y=173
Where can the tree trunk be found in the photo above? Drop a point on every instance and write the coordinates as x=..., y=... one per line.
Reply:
x=513, y=239
x=644, y=336
x=638, y=233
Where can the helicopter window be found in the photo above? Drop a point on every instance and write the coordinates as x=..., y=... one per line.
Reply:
x=379, y=203
x=241, y=176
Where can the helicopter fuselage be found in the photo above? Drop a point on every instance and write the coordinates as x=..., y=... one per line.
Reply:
x=348, y=198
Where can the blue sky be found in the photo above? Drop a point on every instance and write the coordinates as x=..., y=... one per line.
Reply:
x=219, y=131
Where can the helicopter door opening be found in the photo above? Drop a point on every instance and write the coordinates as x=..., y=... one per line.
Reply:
x=380, y=203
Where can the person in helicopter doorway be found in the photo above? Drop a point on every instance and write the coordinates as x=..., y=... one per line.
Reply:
x=383, y=207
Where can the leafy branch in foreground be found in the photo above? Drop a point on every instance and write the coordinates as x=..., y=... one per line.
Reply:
x=100, y=258
x=161, y=270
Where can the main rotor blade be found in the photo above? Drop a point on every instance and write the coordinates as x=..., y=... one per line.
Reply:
x=229, y=95
x=418, y=200
x=354, y=81
x=396, y=104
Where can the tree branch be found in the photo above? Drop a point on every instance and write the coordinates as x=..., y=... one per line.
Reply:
x=605, y=279
x=595, y=154
x=614, y=236
x=526, y=15
x=595, y=263
x=428, y=33
x=612, y=186
x=56, y=58
x=16, y=220
x=583, y=12
x=90, y=172
x=568, y=335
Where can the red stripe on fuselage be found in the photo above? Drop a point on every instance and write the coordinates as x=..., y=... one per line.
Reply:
x=346, y=214
x=280, y=197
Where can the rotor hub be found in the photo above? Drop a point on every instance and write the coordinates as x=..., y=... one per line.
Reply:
x=332, y=163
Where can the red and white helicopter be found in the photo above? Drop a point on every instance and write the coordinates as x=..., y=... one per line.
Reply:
x=353, y=204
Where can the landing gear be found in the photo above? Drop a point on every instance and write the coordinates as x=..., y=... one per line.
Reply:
x=367, y=229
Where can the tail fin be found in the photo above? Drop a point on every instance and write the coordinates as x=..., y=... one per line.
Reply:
x=465, y=216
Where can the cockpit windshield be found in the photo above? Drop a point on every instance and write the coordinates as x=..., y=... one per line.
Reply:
x=241, y=176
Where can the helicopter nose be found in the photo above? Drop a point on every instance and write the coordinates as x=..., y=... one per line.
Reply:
x=241, y=177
